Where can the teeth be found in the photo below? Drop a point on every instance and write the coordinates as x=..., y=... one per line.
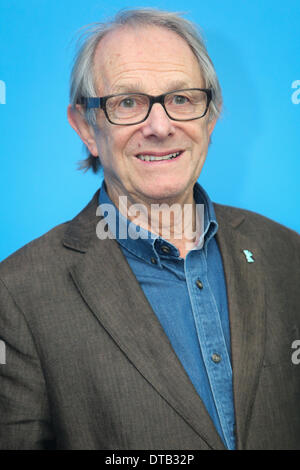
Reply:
x=151, y=158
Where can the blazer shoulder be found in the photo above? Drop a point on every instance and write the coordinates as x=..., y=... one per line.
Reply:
x=38, y=254
x=252, y=222
x=48, y=252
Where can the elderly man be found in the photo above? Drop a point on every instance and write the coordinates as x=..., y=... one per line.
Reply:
x=126, y=332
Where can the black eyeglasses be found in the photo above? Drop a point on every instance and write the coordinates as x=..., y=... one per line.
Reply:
x=127, y=109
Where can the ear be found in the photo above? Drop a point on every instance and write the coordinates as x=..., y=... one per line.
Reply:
x=211, y=125
x=84, y=130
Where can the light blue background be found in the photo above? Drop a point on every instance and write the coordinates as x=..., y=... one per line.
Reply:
x=253, y=161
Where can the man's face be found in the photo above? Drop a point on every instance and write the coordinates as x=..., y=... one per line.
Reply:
x=151, y=60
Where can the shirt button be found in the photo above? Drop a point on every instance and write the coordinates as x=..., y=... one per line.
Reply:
x=153, y=261
x=216, y=358
x=199, y=284
x=165, y=249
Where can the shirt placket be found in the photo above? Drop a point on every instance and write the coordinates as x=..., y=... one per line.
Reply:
x=212, y=342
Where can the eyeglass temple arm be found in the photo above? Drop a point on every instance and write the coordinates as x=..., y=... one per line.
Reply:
x=91, y=102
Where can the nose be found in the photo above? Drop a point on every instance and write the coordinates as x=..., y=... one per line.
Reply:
x=158, y=123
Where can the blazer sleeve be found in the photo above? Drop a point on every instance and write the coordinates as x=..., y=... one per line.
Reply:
x=24, y=411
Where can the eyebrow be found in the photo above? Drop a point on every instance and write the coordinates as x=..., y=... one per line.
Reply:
x=139, y=87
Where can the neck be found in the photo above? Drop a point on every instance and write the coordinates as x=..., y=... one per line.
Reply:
x=177, y=222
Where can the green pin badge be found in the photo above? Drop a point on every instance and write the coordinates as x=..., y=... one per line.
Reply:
x=249, y=256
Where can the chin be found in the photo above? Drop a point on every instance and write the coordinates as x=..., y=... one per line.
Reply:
x=165, y=191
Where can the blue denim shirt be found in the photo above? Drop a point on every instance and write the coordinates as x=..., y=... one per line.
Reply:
x=193, y=314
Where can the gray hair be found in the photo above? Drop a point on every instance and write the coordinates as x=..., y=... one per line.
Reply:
x=82, y=83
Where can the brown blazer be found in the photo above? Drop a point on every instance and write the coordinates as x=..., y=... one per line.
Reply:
x=88, y=365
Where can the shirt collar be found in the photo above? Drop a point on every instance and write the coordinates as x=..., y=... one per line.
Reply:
x=149, y=246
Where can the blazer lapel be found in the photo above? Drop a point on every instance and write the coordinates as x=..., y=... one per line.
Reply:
x=246, y=302
x=113, y=294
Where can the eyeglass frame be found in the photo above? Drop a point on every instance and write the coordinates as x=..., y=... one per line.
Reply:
x=100, y=102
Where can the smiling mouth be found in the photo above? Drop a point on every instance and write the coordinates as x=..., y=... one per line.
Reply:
x=158, y=158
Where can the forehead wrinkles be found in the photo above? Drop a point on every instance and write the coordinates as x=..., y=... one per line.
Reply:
x=140, y=71
x=126, y=53
x=123, y=65
x=155, y=72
